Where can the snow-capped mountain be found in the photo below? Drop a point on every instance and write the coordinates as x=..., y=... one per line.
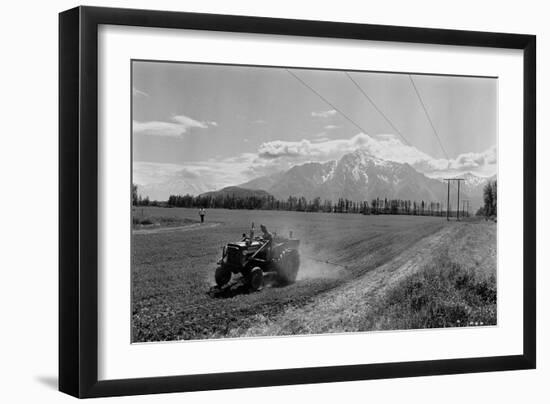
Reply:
x=474, y=184
x=361, y=176
x=356, y=176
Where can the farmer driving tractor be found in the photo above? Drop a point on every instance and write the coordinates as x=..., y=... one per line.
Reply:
x=265, y=234
x=252, y=256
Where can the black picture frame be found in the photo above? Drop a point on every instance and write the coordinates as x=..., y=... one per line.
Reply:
x=78, y=206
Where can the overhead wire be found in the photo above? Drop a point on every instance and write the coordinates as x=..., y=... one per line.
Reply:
x=428, y=116
x=327, y=102
x=369, y=99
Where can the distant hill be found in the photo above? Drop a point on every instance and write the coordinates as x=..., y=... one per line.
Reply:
x=160, y=191
x=237, y=192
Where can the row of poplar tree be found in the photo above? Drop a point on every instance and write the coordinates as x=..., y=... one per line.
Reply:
x=301, y=204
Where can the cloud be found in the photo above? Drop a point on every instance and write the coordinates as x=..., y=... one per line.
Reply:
x=186, y=173
x=189, y=122
x=281, y=155
x=280, y=148
x=179, y=125
x=138, y=93
x=320, y=150
x=144, y=172
x=387, y=146
x=200, y=176
x=483, y=163
x=160, y=180
x=324, y=114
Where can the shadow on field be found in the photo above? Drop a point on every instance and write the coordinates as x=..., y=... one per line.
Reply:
x=240, y=287
x=230, y=290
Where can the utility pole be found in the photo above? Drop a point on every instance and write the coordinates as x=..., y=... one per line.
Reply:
x=449, y=194
x=465, y=208
x=458, y=202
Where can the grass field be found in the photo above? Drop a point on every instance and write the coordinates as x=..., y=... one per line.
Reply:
x=173, y=270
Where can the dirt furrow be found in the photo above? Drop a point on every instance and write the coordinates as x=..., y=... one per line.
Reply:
x=340, y=309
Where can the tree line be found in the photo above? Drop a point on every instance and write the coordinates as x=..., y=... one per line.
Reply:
x=489, y=208
x=301, y=204
x=138, y=200
x=376, y=206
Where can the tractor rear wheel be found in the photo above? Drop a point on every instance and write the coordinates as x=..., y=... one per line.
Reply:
x=222, y=276
x=256, y=279
x=288, y=265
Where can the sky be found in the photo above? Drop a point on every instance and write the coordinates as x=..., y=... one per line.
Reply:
x=200, y=127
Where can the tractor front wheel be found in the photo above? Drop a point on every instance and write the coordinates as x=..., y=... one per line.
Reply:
x=256, y=279
x=222, y=276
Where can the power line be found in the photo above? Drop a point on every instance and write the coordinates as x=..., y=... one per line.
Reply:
x=449, y=194
x=378, y=109
x=428, y=116
x=328, y=102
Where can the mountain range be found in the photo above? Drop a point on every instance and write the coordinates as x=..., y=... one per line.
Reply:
x=360, y=176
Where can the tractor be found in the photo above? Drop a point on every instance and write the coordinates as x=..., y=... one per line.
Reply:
x=253, y=256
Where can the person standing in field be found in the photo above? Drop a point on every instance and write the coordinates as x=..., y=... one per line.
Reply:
x=202, y=213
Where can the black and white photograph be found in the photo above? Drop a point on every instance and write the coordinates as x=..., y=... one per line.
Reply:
x=276, y=201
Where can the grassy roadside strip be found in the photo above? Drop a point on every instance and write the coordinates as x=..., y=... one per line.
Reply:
x=441, y=294
x=160, y=221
